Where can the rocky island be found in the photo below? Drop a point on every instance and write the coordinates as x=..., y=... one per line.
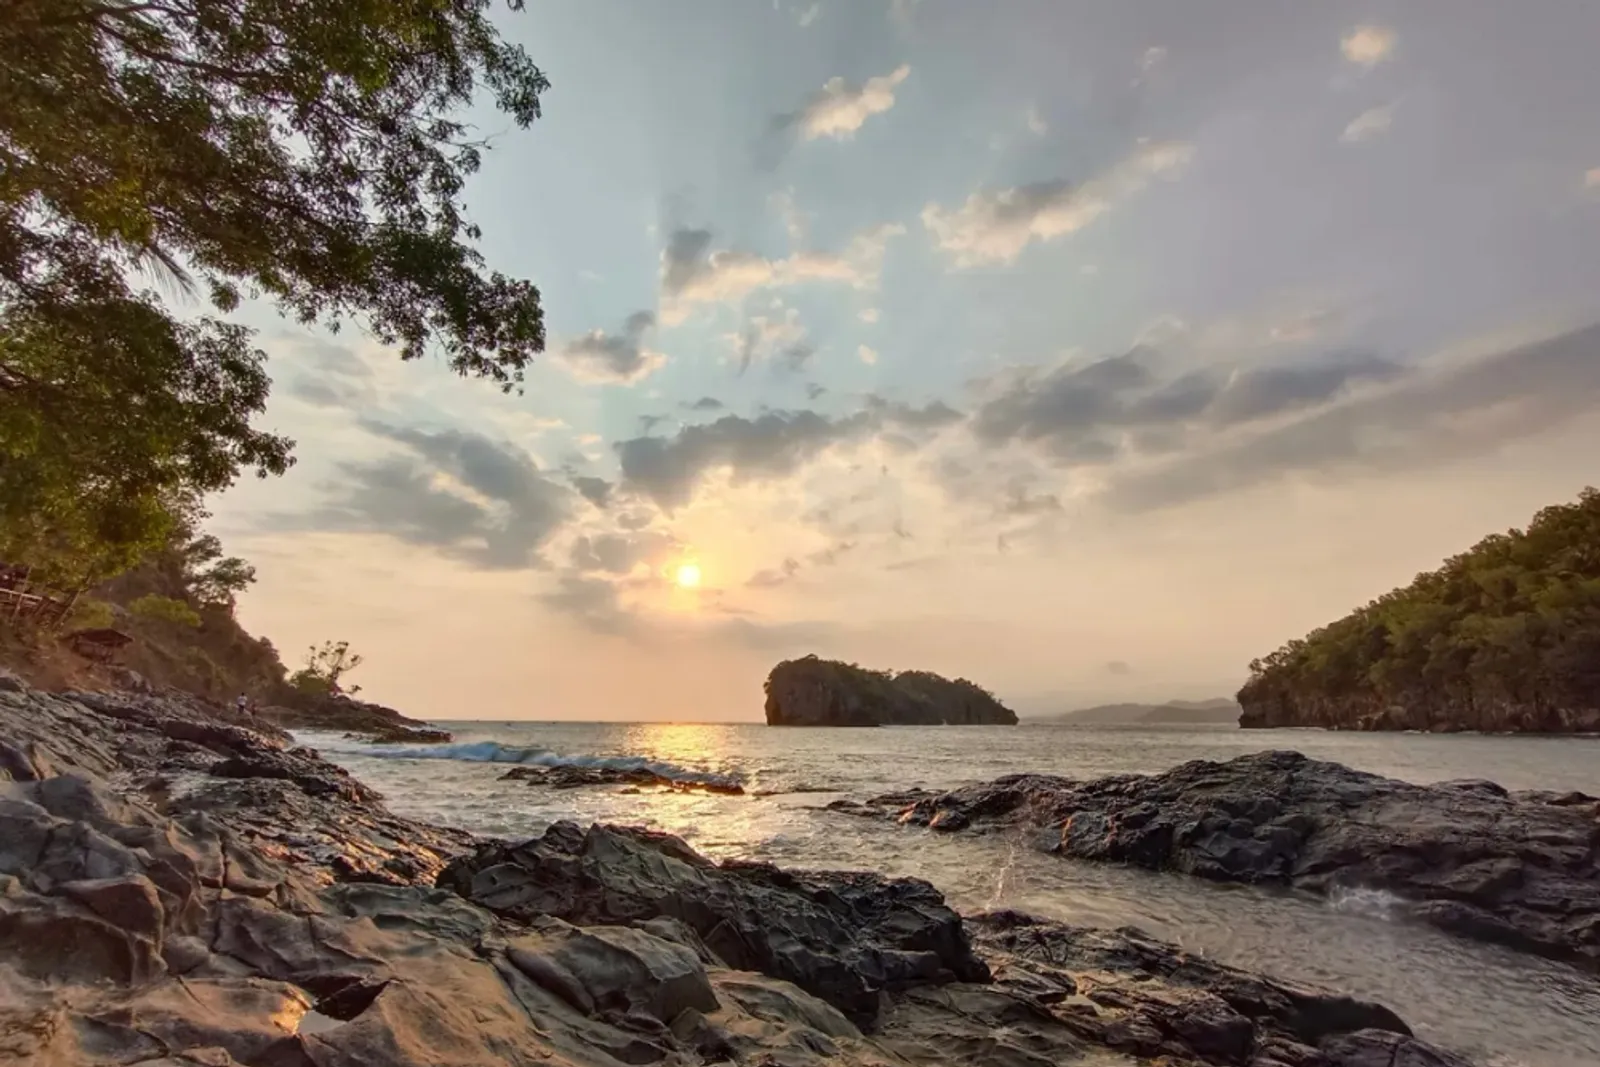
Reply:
x=182, y=892
x=1503, y=638
x=821, y=692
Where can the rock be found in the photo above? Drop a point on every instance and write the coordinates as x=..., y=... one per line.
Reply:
x=300, y=766
x=846, y=938
x=353, y=716
x=614, y=969
x=1469, y=857
x=398, y=734
x=818, y=692
x=574, y=777
x=151, y=913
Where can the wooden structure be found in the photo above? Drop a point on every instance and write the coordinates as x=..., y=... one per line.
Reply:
x=21, y=599
x=98, y=645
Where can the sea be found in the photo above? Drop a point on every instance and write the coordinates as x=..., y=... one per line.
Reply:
x=1501, y=1008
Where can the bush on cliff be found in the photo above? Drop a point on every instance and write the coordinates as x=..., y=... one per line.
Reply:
x=1503, y=636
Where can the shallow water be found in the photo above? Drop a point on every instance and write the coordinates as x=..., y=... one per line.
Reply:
x=1502, y=1008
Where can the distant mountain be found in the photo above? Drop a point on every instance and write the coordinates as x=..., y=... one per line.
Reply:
x=1173, y=712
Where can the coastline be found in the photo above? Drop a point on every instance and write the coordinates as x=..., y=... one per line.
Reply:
x=231, y=899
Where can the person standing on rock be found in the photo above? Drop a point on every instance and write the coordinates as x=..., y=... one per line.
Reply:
x=243, y=704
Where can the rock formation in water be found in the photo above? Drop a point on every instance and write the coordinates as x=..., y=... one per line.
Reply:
x=180, y=892
x=820, y=692
x=359, y=718
x=570, y=776
x=1502, y=638
x=1519, y=869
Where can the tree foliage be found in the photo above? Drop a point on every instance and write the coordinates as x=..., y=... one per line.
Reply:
x=308, y=153
x=1512, y=622
x=325, y=666
x=165, y=609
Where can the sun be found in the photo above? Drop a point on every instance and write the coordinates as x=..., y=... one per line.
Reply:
x=687, y=575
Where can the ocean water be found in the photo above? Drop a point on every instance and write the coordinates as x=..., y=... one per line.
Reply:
x=1502, y=1008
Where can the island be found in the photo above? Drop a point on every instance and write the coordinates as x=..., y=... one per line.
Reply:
x=1220, y=711
x=1502, y=638
x=819, y=692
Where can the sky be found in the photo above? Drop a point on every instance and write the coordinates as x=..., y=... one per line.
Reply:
x=1084, y=350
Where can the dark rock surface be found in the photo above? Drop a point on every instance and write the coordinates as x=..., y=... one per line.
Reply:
x=1518, y=869
x=841, y=937
x=372, y=722
x=575, y=777
x=819, y=692
x=154, y=913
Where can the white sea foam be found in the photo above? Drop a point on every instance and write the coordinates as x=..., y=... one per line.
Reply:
x=1361, y=900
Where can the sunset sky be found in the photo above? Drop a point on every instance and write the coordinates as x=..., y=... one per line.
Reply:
x=1087, y=350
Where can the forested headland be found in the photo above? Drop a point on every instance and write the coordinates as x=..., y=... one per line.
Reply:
x=1503, y=637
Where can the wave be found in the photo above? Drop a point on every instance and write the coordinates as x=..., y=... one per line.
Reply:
x=534, y=756
x=1360, y=900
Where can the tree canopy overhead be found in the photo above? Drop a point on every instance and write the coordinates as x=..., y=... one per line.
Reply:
x=306, y=152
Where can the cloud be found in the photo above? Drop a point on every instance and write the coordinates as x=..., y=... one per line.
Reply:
x=1094, y=413
x=342, y=379
x=1118, y=667
x=1035, y=121
x=772, y=445
x=1369, y=123
x=593, y=601
x=1425, y=418
x=994, y=226
x=809, y=15
x=1367, y=46
x=870, y=315
x=778, y=340
x=596, y=491
x=840, y=108
x=476, y=500
x=868, y=355
x=692, y=273
x=620, y=359
x=775, y=576
x=705, y=403
x=1591, y=178
x=620, y=553
x=1153, y=57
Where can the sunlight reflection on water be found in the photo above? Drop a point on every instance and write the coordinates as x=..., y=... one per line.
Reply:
x=1501, y=1007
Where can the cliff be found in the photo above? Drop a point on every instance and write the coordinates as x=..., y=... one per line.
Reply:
x=1503, y=638
x=819, y=692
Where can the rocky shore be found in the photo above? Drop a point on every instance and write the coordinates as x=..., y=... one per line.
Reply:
x=359, y=719
x=177, y=891
x=1519, y=869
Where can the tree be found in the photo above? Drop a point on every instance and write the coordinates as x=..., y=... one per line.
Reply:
x=214, y=580
x=165, y=609
x=324, y=667
x=305, y=152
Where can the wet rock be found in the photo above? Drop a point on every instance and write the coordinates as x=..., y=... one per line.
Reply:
x=301, y=766
x=387, y=733
x=1468, y=856
x=846, y=938
x=575, y=777
x=152, y=913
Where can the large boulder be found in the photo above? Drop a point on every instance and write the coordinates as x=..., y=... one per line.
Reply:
x=1520, y=870
x=818, y=692
x=847, y=938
